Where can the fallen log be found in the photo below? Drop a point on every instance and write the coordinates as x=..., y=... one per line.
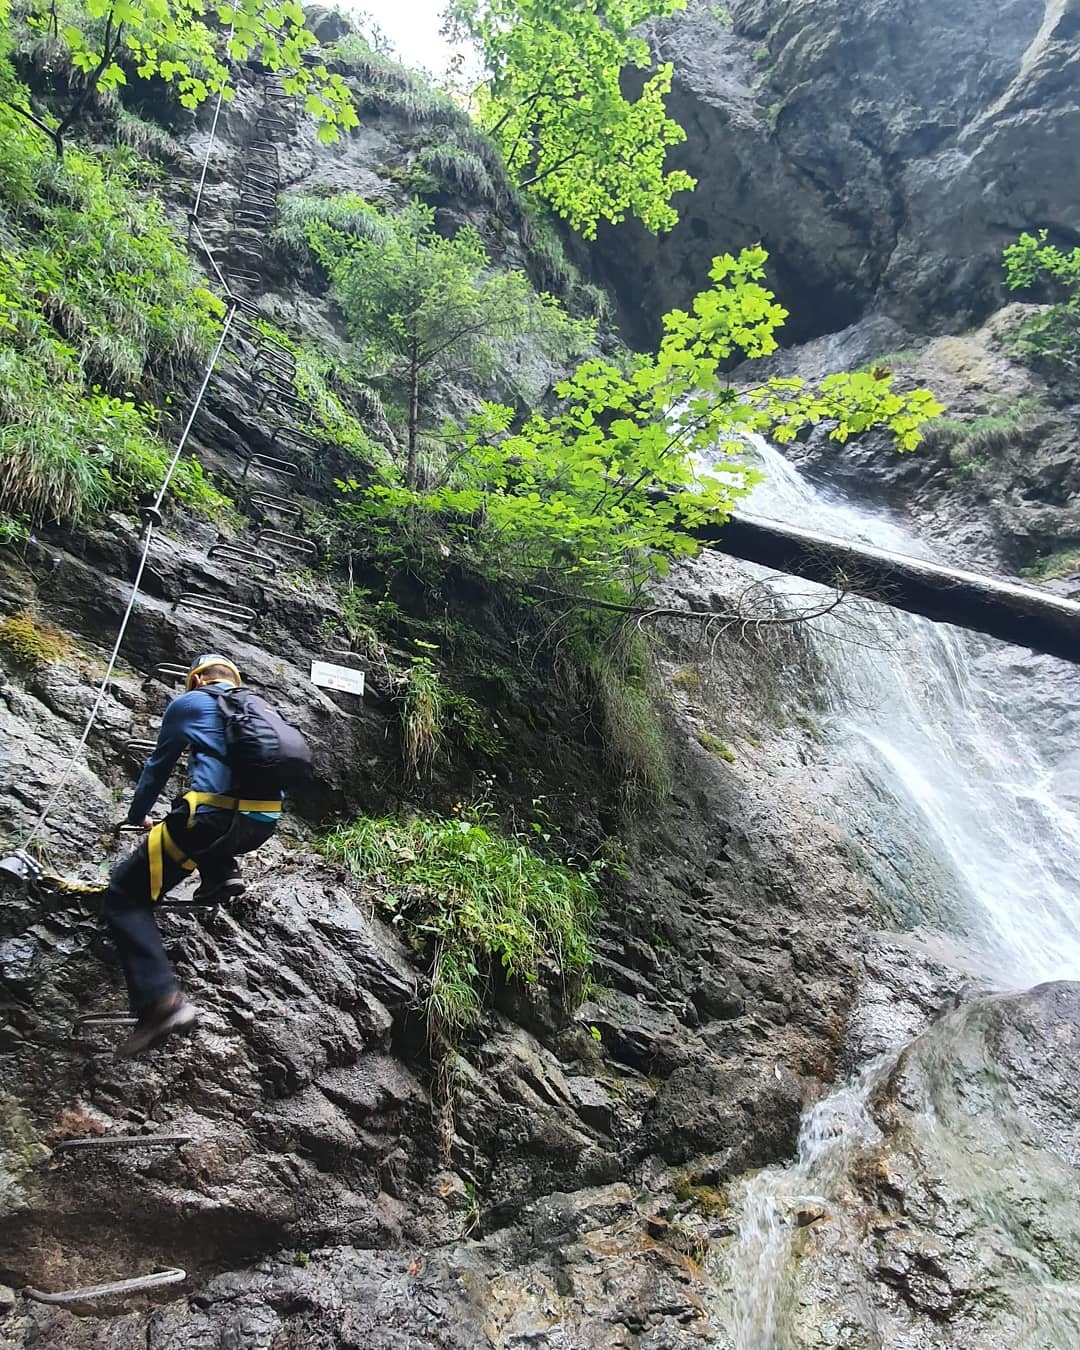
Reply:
x=1024, y=615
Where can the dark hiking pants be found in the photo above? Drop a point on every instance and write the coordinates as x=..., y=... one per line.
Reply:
x=212, y=843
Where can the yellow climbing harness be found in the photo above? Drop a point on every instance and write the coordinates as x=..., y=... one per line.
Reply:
x=161, y=843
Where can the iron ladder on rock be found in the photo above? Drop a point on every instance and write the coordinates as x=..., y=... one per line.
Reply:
x=273, y=366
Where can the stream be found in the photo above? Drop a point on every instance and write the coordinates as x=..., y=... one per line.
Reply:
x=966, y=800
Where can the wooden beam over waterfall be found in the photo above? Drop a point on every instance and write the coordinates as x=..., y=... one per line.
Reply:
x=1025, y=615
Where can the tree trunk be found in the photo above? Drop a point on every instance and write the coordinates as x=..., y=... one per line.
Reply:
x=411, y=473
x=1027, y=616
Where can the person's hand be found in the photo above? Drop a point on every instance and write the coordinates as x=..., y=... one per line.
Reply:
x=147, y=824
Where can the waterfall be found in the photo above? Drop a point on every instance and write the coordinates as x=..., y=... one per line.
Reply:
x=933, y=722
x=944, y=736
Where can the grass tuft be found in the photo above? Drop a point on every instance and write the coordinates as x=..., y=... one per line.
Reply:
x=423, y=719
x=33, y=644
x=475, y=901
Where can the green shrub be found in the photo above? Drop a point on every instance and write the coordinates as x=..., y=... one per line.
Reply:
x=473, y=900
x=98, y=302
x=1062, y=563
x=32, y=643
x=611, y=669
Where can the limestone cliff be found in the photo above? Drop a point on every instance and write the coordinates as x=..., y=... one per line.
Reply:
x=883, y=153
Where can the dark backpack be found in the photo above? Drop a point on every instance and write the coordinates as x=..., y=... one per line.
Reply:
x=264, y=751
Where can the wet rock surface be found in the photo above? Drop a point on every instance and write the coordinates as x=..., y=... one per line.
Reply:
x=960, y=1226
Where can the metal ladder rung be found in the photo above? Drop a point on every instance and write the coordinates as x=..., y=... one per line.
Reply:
x=291, y=543
x=243, y=217
x=139, y=747
x=160, y=1278
x=223, y=611
x=285, y=401
x=273, y=465
x=303, y=440
x=255, y=179
x=276, y=381
x=269, y=501
x=240, y=554
x=267, y=120
x=248, y=307
x=242, y=276
x=280, y=350
x=102, y=1021
x=169, y=670
x=278, y=363
x=107, y=1141
x=281, y=378
x=257, y=196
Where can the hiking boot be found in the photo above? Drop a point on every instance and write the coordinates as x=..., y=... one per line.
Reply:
x=220, y=888
x=161, y=1020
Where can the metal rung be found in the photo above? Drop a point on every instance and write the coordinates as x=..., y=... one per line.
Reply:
x=278, y=363
x=160, y=1278
x=305, y=440
x=245, y=218
x=291, y=543
x=274, y=465
x=257, y=196
x=240, y=554
x=242, y=277
x=275, y=380
x=169, y=670
x=140, y=747
x=269, y=183
x=266, y=120
x=282, y=400
x=261, y=337
x=102, y=1021
x=282, y=377
x=268, y=501
x=261, y=148
x=107, y=1141
x=221, y=610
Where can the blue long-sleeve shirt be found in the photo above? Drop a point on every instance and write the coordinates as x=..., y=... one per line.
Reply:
x=191, y=720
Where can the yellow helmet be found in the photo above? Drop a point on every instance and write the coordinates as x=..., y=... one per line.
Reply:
x=202, y=663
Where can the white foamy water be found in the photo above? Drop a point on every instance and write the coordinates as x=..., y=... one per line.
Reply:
x=937, y=728
x=915, y=705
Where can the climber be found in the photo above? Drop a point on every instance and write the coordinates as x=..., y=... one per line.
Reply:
x=242, y=754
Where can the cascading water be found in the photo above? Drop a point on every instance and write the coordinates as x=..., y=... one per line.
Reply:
x=924, y=715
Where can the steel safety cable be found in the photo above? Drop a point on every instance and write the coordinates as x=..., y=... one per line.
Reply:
x=135, y=585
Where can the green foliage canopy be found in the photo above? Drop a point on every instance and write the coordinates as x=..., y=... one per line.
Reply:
x=554, y=102
x=188, y=44
x=604, y=489
x=424, y=308
x=1051, y=337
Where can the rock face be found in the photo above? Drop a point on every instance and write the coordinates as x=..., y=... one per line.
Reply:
x=883, y=154
x=584, y=1201
x=949, y=1214
x=726, y=963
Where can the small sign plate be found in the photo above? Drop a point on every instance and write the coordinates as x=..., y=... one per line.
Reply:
x=328, y=676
